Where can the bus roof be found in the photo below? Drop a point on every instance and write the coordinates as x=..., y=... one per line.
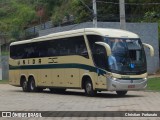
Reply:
x=117, y=33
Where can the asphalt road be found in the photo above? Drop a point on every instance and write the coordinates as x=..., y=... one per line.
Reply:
x=14, y=99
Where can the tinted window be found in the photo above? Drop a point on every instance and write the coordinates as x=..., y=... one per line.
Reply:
x=98, y=51
x=59, y=47
x=22, y=51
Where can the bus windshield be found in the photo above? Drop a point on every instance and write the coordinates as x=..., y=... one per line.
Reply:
x=128, y=56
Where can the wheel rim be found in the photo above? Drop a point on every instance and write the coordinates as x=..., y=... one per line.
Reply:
x=88, y=88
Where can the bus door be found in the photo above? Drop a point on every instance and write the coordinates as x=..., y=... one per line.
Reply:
x=100, y=61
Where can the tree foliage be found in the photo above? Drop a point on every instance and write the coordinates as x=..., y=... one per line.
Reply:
x=16, y=15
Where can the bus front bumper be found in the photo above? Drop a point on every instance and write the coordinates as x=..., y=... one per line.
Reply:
x=121, y=84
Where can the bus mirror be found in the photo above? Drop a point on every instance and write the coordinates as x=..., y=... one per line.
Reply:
x=107, y=47
x=150, y=48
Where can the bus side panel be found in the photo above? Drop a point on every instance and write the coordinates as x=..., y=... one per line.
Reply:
x=44, y=77
x=101, y=82
x=14, y=76
x=55, y=74
x=72, y=77
x=52, y=77
x=70, y=69
x=59, y=75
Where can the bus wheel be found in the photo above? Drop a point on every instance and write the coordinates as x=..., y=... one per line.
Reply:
x=121, y=93
x=24, y=86
x=89, y=89
x=31, y=85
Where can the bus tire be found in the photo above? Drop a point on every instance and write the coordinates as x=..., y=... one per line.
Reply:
x=24, y=86
x=121, y=93
x=32, y=85
x=89, y=89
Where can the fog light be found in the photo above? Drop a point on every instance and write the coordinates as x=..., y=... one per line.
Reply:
x=114, y=85
x=144, y=78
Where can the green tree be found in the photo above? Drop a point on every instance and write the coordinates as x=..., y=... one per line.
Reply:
x=16, y=16
x=61, y=11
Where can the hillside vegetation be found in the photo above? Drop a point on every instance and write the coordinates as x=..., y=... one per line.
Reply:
x=17, y=15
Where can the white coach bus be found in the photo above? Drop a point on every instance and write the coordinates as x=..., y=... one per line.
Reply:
x=93, y=59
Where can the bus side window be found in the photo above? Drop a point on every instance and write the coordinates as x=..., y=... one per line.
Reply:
x=98, y=52
x=29, y=52
x=51, y=52
x=21, y=51
x=80, y=47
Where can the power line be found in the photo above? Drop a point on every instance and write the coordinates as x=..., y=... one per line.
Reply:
x=129, y=3
x=86, y=6
x=93, y=11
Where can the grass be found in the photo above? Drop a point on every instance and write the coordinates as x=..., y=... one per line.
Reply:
x=154, y=84
x=3, y=81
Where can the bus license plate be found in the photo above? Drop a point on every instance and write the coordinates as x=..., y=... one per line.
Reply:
x=131, y=86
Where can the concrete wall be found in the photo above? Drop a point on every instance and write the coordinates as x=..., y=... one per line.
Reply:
x=148, y=33
x=5, y=67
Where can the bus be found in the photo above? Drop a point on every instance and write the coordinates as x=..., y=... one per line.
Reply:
x=93, y=59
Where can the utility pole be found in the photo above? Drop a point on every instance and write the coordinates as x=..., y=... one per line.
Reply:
x=94, y=14
x=0, y=62
x=122, y=14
